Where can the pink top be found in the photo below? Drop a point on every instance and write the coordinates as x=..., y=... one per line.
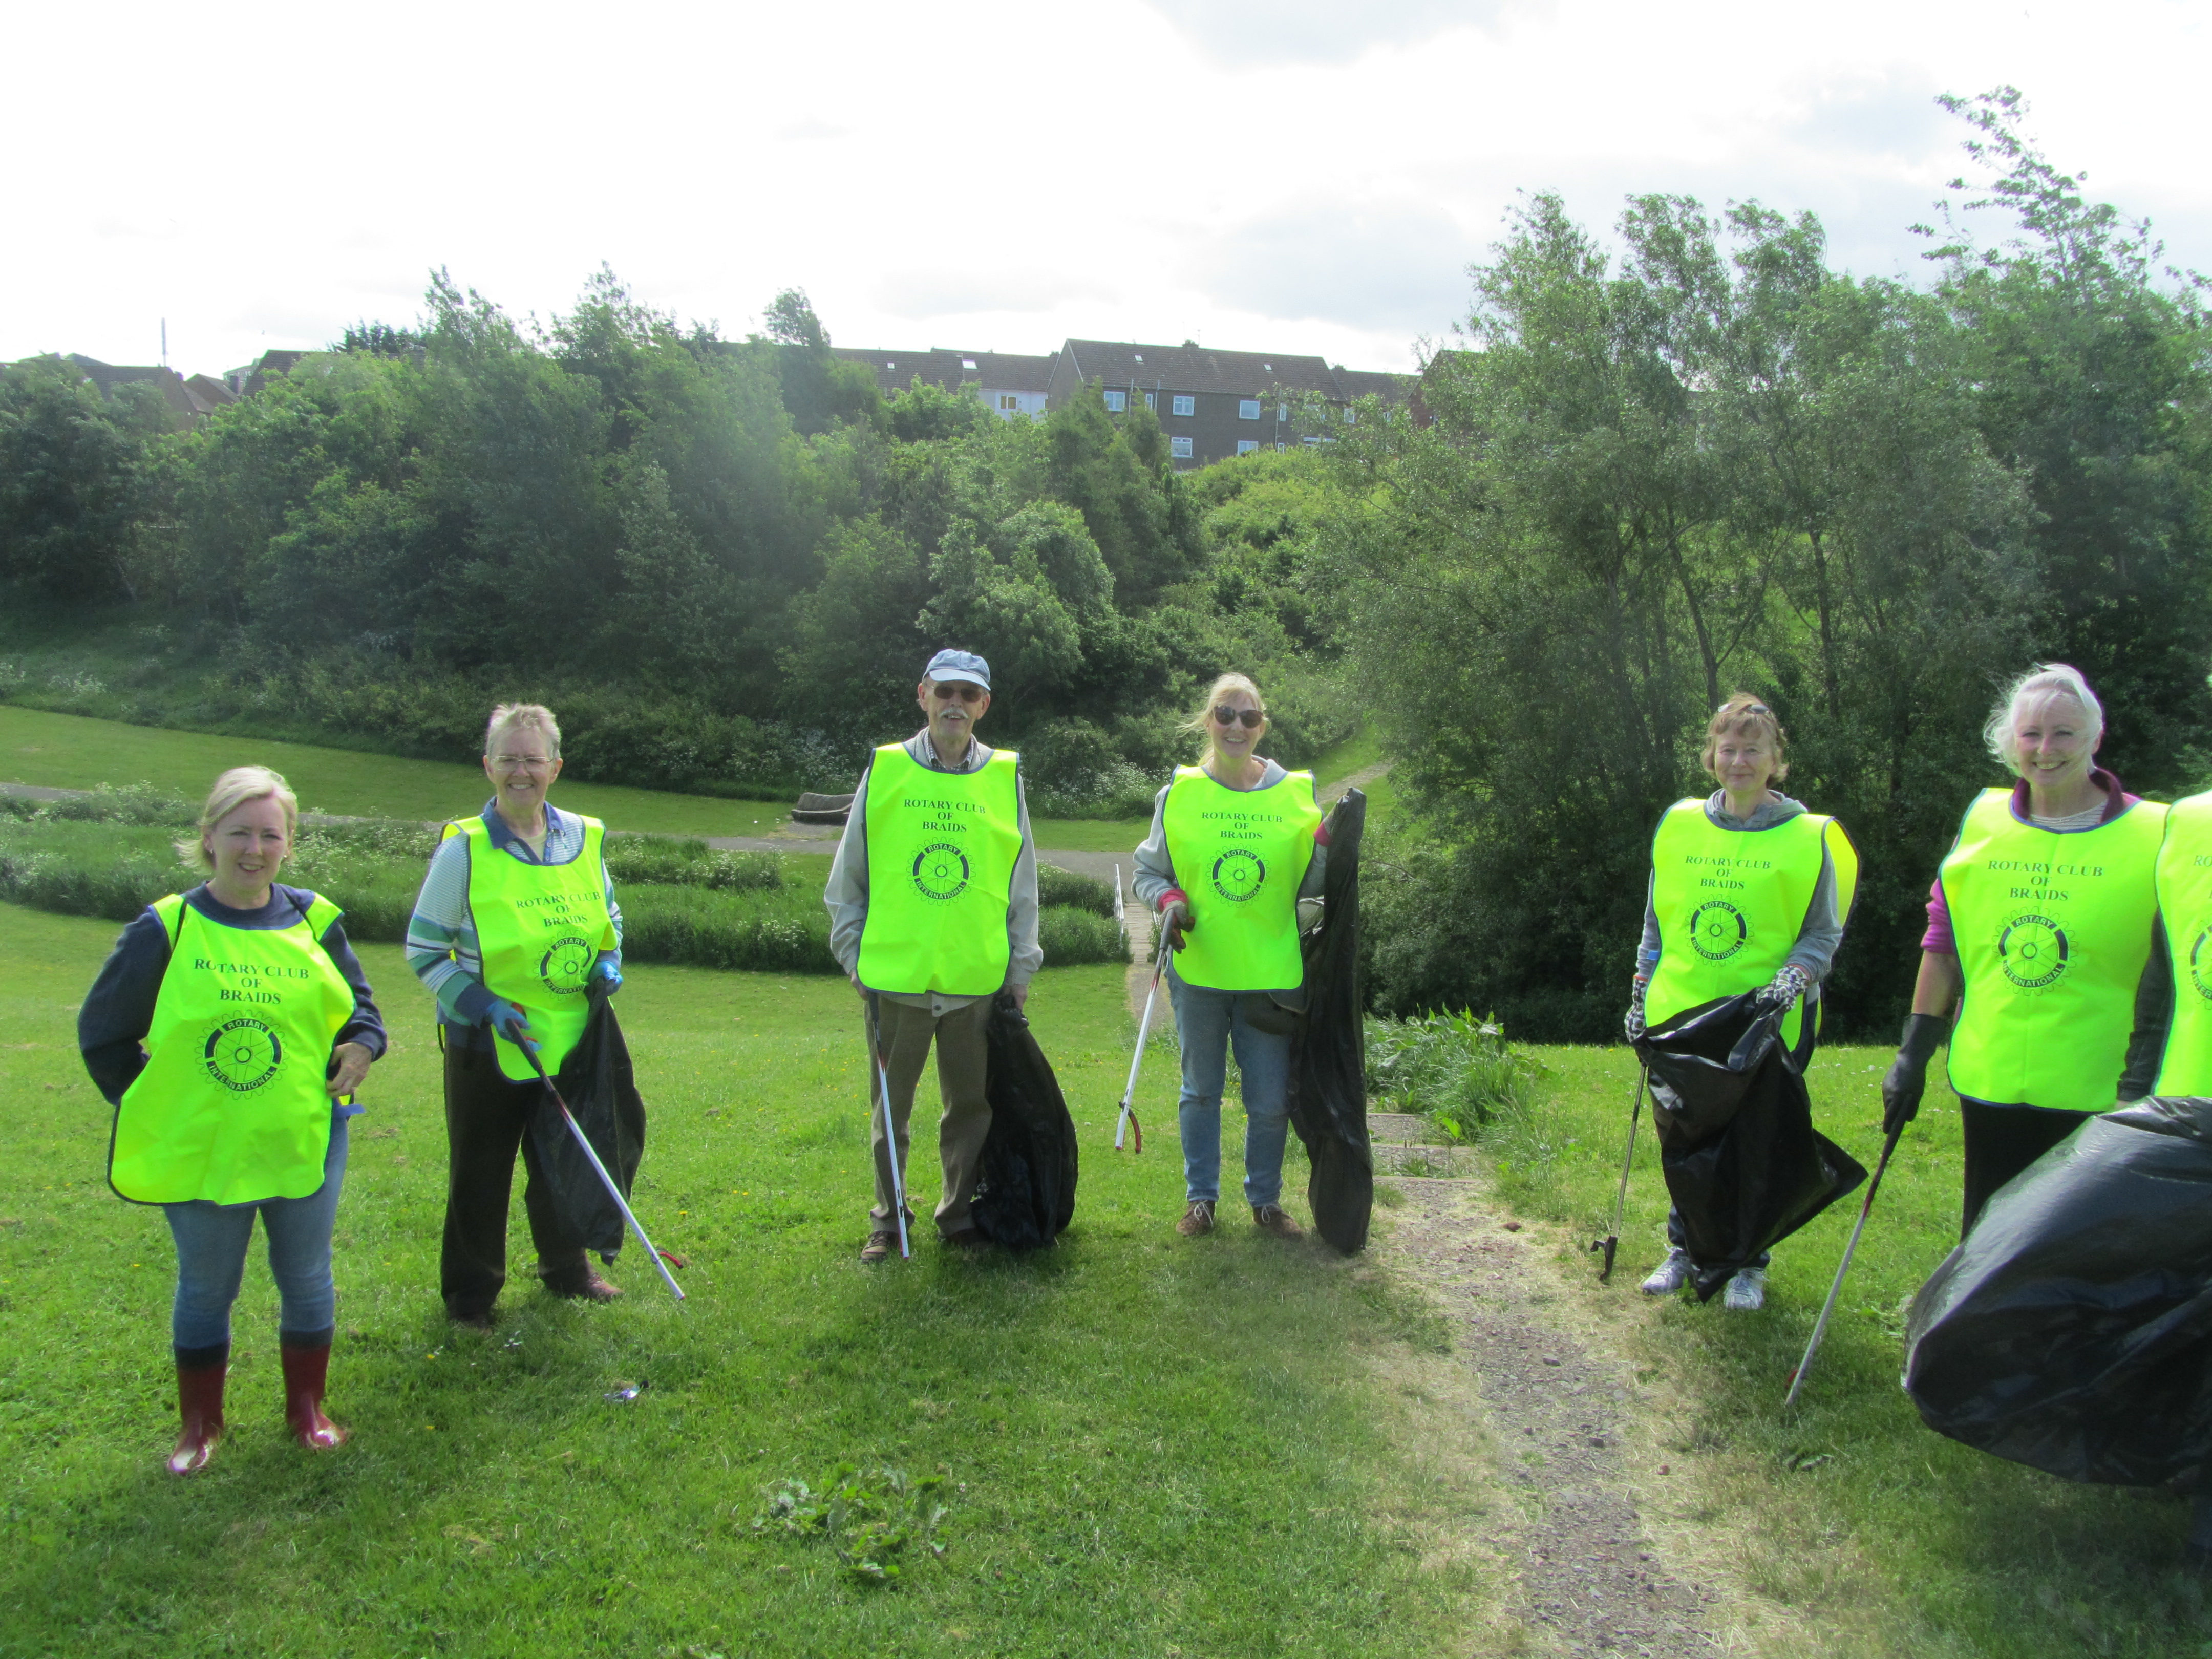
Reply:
x=1938, y=937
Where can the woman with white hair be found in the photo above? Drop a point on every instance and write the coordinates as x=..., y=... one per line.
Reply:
x=229, y=1029
x=516, y=917
x=2041, y=928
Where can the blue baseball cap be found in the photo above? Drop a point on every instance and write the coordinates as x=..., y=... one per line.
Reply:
x=951, y=665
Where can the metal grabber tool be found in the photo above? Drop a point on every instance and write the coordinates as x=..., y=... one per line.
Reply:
x=882, y=1102
x=1128, y=1118
x=1611, y=1241
x=1820, y=1325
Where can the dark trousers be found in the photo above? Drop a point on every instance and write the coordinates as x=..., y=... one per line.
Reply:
x=487, y=1120
x=2002, y=1141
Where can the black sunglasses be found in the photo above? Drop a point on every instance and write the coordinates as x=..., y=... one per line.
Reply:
x=962, y=690
x=1247, y=718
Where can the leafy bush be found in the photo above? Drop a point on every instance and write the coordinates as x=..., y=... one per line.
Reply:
x=1454, y=1069
x=690, y=863
x=780, y=932
x=1070, y=936
x=134, y=802
x=1058, y=886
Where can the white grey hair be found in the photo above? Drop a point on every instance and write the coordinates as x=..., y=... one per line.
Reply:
x=510, y=715
x=2045, y=679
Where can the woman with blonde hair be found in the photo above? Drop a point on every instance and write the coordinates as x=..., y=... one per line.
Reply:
x=1237, y=842
x=229, y=1028
x=2043, y=927
x=516, y=917
x=1749, y=892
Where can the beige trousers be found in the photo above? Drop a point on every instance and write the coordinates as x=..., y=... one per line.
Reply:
x=906, y=1032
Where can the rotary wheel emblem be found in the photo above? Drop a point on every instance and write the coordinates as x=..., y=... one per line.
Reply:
x=242, y=1054
x=2032, y=951
x=2200, y=964
x=1238, y=874
x=940, y=870
x=1717, y=930
x=566, y=966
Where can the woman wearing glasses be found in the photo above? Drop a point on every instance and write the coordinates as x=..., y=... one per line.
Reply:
x=1749, y=892
x=516, y=917
x=1237, y=842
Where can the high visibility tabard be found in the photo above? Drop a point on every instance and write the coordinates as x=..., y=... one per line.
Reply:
x=1731, y=903
x=1239, y=855
x=541, y=928
x=2053, y=931
x=230, y=1107
x=2185, y=899
x=941, y=852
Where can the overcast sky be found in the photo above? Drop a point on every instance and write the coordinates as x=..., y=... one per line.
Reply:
x=1290, y=175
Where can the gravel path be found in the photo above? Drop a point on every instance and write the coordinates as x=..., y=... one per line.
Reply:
x=1589, y=1576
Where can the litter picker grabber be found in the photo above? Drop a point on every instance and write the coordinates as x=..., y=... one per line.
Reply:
x=1611, y=1241
x=1128, y=1118
x=530, y=1052
x=1820, y=1325
x=883, y=1102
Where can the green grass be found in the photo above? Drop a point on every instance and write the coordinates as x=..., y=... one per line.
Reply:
x=1156, y=1447
x=1897, y=1540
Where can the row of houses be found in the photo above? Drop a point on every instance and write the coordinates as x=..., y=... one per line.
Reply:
x=1211, y=404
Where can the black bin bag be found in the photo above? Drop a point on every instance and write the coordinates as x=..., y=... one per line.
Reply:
x=1744, y=1165
x=2072, y=1329
x=597, y=1082
x=1025, y=1185
x=1328, y=1052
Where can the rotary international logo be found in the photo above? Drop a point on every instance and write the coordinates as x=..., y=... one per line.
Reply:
x=1717, y=930
x=1237, y=874
x=242, y=1054
x=567, y=965
x=2200, y=964
x=2032, y=950
x=940, y=870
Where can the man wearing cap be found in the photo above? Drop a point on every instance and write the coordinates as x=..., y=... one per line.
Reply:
x=933, y=902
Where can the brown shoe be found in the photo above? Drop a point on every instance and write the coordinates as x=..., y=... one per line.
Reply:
x=587, y=1287
x=882, y=1242
x=1198, y=1220
x=968, y=1238
x=1273, y=1218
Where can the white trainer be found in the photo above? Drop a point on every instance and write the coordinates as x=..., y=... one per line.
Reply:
x=1670, y=1275
x=1746, y=1291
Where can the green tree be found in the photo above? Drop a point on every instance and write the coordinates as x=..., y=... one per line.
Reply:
x=70, y=483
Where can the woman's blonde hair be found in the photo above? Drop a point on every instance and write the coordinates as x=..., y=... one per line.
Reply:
x=2045, y=679
x=508, y=715
x=1201, y=723
x=1745, y=713
x=232, y=791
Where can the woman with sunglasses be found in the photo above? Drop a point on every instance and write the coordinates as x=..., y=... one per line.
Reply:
x=1749, y=892
x=1237, y=842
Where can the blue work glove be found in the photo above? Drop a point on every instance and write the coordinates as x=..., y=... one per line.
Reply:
x=606, y=970
x=510, y=1022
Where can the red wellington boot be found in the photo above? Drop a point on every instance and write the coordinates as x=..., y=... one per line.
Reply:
x=199, y=1407
x=305, y=1370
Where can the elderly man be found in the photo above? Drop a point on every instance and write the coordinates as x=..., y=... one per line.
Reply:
x=933, y=902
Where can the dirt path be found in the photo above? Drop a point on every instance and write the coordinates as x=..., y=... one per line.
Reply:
x=1559, y=1410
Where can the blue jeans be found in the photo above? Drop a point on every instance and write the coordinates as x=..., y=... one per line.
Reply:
x=211, y=1240
x=1208, y=1022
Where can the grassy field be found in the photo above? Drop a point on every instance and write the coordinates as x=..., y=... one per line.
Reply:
x=1884, y=1536
x=1151, y=1446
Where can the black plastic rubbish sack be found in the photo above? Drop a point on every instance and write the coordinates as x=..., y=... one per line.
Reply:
x=597, y=1082
x=1025, y=1185
x=1744, y=1165
x=1328, y=1052
x=2071, y=1330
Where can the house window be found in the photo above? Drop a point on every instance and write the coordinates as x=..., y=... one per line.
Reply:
x=1185, y=403
x=1249, y=410
x=1350, y=417
x=1247, y=446
x=1008, y=400
x=1152, y=401
x=1116, y=402
x=1179, y=448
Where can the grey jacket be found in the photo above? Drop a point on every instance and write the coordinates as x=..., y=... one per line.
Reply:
x=847, y=894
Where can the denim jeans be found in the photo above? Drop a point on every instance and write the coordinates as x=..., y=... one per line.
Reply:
x=211, y=1241
x=1208, y=1022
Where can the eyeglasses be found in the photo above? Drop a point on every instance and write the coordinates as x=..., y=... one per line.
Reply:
x=1247, y=718
x=521, y=763
x=959, y=691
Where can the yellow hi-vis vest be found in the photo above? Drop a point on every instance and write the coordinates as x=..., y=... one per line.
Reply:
x=942, y=847
x=230, y=1107
x=1239, y=856
x=2185, y=899
x=541, y=928
x=1731, y=903
x=2053, y=931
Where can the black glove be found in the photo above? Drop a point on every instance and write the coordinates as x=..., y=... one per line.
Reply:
x=1632, y=1022
x=1908, y=1073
